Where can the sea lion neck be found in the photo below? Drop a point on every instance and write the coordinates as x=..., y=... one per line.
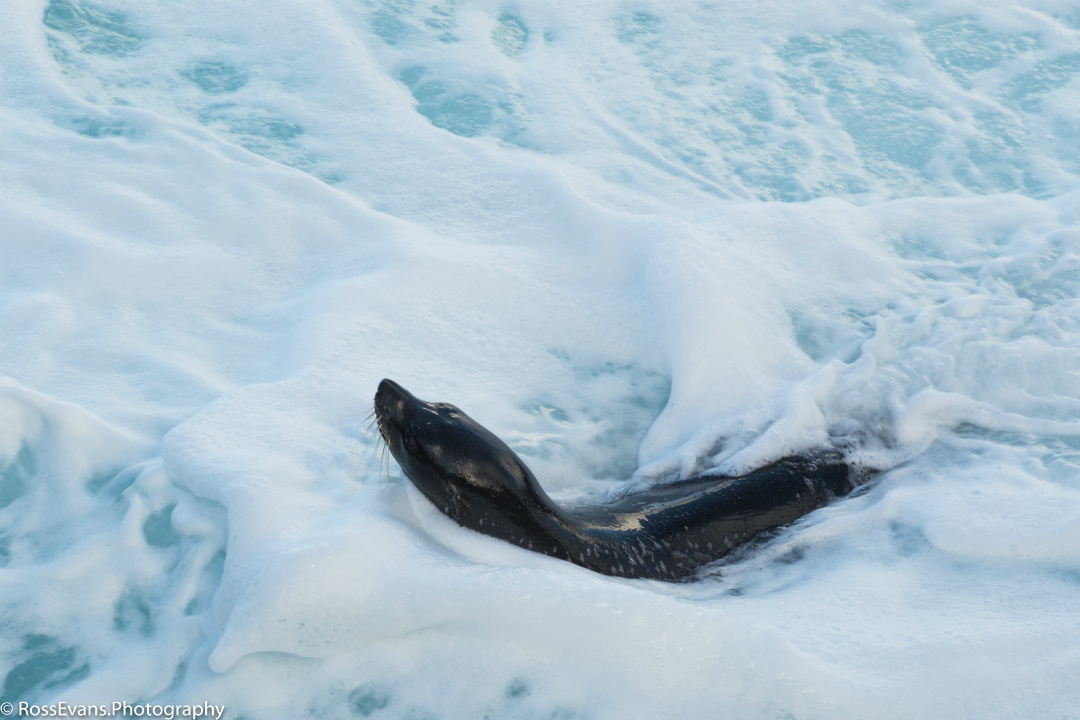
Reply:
x=467, y=472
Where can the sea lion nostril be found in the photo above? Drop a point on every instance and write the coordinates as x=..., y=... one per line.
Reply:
x=391, y=399
x=391, y=388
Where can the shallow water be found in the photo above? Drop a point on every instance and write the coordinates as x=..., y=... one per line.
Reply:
x=638, y=241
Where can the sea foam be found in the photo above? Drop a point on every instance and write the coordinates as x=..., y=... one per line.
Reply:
x=639, y=241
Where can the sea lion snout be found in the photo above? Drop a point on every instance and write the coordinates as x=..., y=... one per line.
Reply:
x=391, y=400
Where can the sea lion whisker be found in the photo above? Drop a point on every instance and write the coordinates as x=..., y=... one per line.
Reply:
x=370, y=453
x=370, y=437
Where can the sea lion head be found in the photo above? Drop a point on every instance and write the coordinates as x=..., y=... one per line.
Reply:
x=460, y=466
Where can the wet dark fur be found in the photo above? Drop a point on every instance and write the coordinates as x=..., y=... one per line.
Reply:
x=664, y=533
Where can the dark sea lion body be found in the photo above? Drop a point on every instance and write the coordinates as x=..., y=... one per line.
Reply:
x=665, y=533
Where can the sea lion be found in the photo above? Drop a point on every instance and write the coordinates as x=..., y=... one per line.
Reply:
x=664, y=533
